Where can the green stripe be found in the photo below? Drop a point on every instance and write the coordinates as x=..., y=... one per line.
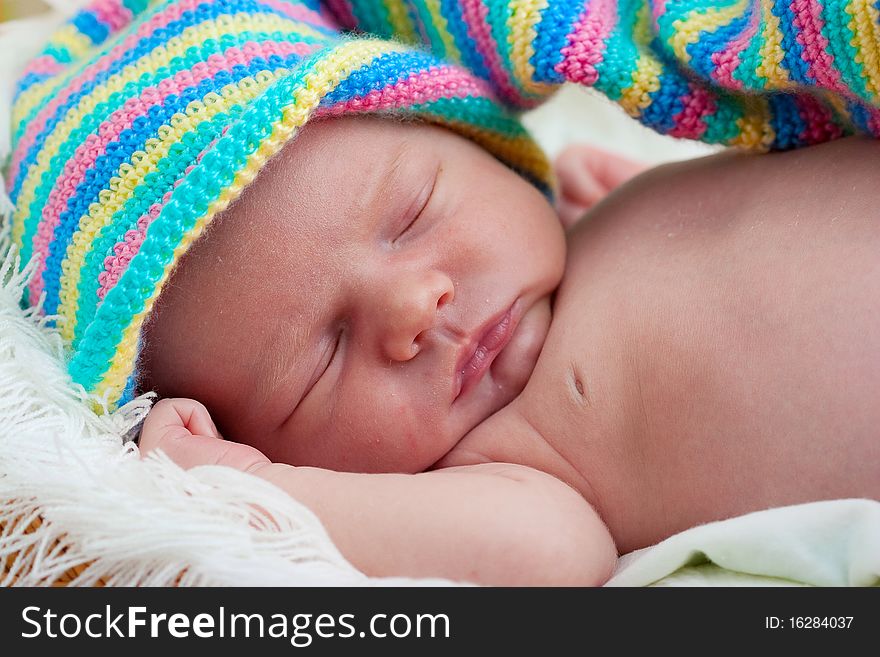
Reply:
x=721, y=127
x=750, y=60
x=621, y=55
x=836, y=30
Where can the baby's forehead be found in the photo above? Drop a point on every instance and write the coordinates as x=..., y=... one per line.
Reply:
x=333, y=164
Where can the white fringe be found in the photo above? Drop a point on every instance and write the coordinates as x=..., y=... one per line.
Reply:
x=138, y=522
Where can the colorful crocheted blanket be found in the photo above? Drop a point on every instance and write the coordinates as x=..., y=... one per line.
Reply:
x=756, y=73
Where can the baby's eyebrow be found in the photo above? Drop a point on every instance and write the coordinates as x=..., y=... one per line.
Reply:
x=383, y=183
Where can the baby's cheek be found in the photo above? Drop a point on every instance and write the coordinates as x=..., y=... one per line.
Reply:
x=410, y=438
x=390, y=421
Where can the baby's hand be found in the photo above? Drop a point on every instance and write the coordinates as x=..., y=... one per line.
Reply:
x=586, y=175
x=183, y=429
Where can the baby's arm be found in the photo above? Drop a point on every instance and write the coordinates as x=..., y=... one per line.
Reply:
x=493, y=523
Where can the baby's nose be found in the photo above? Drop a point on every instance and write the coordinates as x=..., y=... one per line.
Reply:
x=411, y=306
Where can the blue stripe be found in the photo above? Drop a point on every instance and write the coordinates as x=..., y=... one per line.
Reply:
x=860, y=116
x=786, y=121
x=451, y=9
x=130, y=387
x=28, y=81
x=89, y=25
x=793, y=51
x=665, y=103
x=557, y=22
x=711, y=42
x=382, y=72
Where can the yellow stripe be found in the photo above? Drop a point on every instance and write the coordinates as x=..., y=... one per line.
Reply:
x=122, y=187
x=771, y=51
x=150, y=63
x=442, y=25
x=755, y=130
x=866, y=28
x=836, y=101
x=646, y=76
x=687, y=30
x=521, y=34
x=400, y=21
x=332, y=69
x=77, y=43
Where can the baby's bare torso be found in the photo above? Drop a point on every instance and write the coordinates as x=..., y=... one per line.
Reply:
x=714, y=348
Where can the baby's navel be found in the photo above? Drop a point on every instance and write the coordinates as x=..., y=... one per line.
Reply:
x=577, y=386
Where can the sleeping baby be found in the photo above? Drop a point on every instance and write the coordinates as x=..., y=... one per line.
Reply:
x=344, y=248
x=365, y=308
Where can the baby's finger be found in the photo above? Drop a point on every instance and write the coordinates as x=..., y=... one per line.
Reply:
x=577, y=182
x=162, y=421
x=614, y=170
x=191, y=451
x=569, y=213
x=194, y=416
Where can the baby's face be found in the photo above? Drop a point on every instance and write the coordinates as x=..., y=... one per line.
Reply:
x=377, y=292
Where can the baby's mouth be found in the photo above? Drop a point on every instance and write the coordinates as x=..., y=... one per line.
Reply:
x=486, y=343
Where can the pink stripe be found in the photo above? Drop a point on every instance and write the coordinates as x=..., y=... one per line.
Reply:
x=45, y=65
x=728, y=60
x=423, y=87
x=690, y=122
x=111, y=13
x=122, y=119
x=819, y=119
x=172, y=13
x=658, y=8
x=116, y=264
x=474, y=13
x=808, y=21
x=586, y=43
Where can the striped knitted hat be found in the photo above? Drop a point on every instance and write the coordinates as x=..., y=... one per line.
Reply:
x=143, y=119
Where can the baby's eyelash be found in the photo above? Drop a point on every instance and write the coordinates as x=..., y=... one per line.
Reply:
x=333, y=353
x=424, y=204
x=326, y=366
